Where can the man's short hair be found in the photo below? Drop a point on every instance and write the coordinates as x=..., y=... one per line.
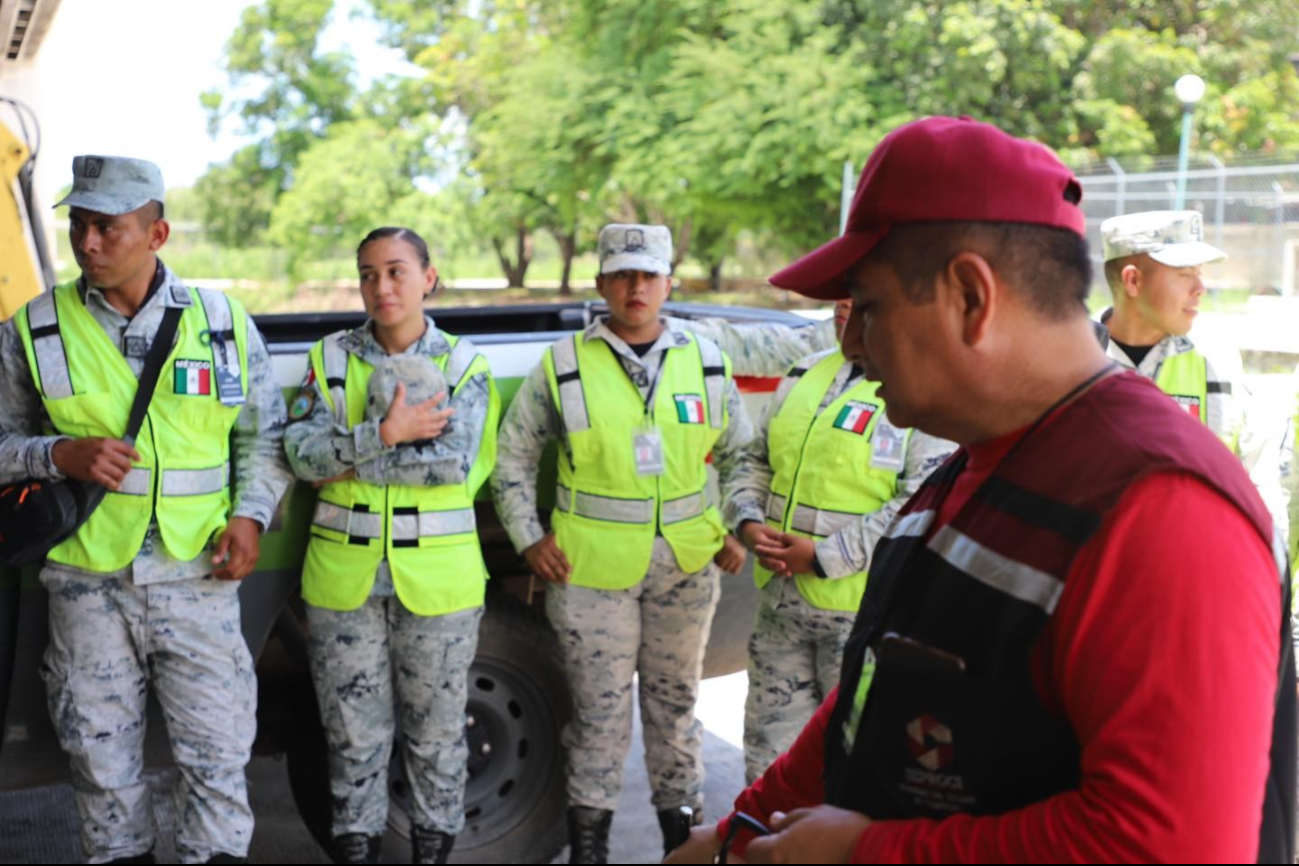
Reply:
x=1049, y=266
x=1114, y=271
x=150, y=213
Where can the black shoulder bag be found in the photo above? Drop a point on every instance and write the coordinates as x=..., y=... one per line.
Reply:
x=37, y=515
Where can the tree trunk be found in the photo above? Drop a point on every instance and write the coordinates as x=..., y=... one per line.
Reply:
x=715, y=275
x=517, y=269
x=567, y=251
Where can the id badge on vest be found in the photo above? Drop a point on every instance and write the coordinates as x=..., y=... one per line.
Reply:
x=647, y=450
x=888, y=447
x=230, y=390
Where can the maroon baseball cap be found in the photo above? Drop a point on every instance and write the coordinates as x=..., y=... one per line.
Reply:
x=940, y=169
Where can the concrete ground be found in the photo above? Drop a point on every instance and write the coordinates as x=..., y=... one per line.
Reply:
x=40, y=825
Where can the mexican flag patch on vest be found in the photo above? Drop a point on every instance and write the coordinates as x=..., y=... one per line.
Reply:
x=855, y=417
x=690, y=408
x=193, y=377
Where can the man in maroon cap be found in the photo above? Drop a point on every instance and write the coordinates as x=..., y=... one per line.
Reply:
x=1073, y=644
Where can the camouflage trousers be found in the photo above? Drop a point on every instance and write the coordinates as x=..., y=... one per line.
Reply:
x=108, y=639
x=795, y=653
x=657, y=629
x=363, y=662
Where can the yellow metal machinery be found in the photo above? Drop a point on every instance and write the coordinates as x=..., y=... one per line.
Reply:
x=21, y=271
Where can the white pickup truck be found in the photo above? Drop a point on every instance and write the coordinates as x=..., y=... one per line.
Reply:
x=518, y=697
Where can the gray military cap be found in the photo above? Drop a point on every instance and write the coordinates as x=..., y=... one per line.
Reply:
x=1170, y=237
x=113, y=184
x=635, y=248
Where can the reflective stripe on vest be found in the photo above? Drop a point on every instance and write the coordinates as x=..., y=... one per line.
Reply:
x=606, y=515
x=182, y=479
x=809, y=450
x=428, y=534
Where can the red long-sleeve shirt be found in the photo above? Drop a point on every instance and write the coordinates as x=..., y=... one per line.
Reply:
x=1162, y=654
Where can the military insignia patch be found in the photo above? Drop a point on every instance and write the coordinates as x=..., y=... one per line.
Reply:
x=856, y=416
x=1190, y=404
x=690, y=408
x=193, y=378
x=302, y=404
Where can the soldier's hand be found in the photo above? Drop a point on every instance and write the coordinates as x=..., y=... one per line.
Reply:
x=787, y=555
x=822, y=834
x=700, y=847
x=415, y=422
x=547, y=561
x=754, y=532
x=236, y=550
x=732, y=555
x=94, y=459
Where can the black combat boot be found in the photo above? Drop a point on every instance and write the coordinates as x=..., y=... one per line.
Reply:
x=430, y=846
x=588, y=834
x=355, y=848
x=223, y=857
x=146, y=857
x=676, y=824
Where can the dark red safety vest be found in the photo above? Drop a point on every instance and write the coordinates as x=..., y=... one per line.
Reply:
x=952, y=722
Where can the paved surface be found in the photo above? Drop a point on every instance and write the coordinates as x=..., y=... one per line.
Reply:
x=40, y=826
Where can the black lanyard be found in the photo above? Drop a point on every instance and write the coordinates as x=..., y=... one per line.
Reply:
x=653, y=383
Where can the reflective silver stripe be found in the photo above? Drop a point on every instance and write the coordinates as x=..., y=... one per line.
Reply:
x=999, y=572
x=432, y=524
x=335, y=357
x=194, y=482
x=358, y=524
x=910, y=525
x=572, y=400
x=331, y=516
x=817, y=521
x=51, y=360
x=714, y=383
x=776, y=507
x=462, y=356
x=605, y=507
x=683, y=508
x=138, y=482
x=220, y=318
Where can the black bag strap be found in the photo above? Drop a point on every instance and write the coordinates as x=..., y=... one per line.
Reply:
x=158, y=351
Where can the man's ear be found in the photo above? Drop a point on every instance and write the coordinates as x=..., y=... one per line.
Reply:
x=1130, y=278
x=973, y=292
x=159, y=231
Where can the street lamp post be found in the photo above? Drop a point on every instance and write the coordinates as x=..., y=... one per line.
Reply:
x=1189, y=90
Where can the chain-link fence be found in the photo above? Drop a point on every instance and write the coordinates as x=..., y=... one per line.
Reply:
x=1250, y=207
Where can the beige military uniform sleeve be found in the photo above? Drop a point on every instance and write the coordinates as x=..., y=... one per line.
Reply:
x=530, y=422
x=24, y=451
x=849, y=550
x=762, y=349
x=752, y=479
x=262, y=473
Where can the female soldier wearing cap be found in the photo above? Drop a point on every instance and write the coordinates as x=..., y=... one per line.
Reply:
x=395, y=423
x=637, y=409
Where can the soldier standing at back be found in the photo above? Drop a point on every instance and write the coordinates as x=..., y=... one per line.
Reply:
x=147, y=588
x=637, y=409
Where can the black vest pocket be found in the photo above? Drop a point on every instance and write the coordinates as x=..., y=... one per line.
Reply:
x=934, y=742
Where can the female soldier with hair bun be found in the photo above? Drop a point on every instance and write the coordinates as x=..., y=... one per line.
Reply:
x=395, y=423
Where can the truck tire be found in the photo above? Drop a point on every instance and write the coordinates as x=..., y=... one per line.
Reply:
x=514, y=800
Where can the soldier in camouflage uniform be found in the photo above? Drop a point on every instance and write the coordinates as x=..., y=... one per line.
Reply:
x=762, y=348
x=631, y=586
x=796, y=647
x=394, y=591
x=1152, y=266
x=139, y=605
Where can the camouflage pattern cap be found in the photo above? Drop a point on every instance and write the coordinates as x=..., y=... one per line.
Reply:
x=113, y=185
x=1170, y=237
x=635, y=248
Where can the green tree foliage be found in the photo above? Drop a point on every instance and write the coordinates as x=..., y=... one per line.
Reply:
x=720, y=118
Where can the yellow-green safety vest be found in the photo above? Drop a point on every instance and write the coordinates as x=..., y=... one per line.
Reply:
x=182, y=479
x=1185, y=378
x=825, y=471
x=606, y=515
x=429, y=535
